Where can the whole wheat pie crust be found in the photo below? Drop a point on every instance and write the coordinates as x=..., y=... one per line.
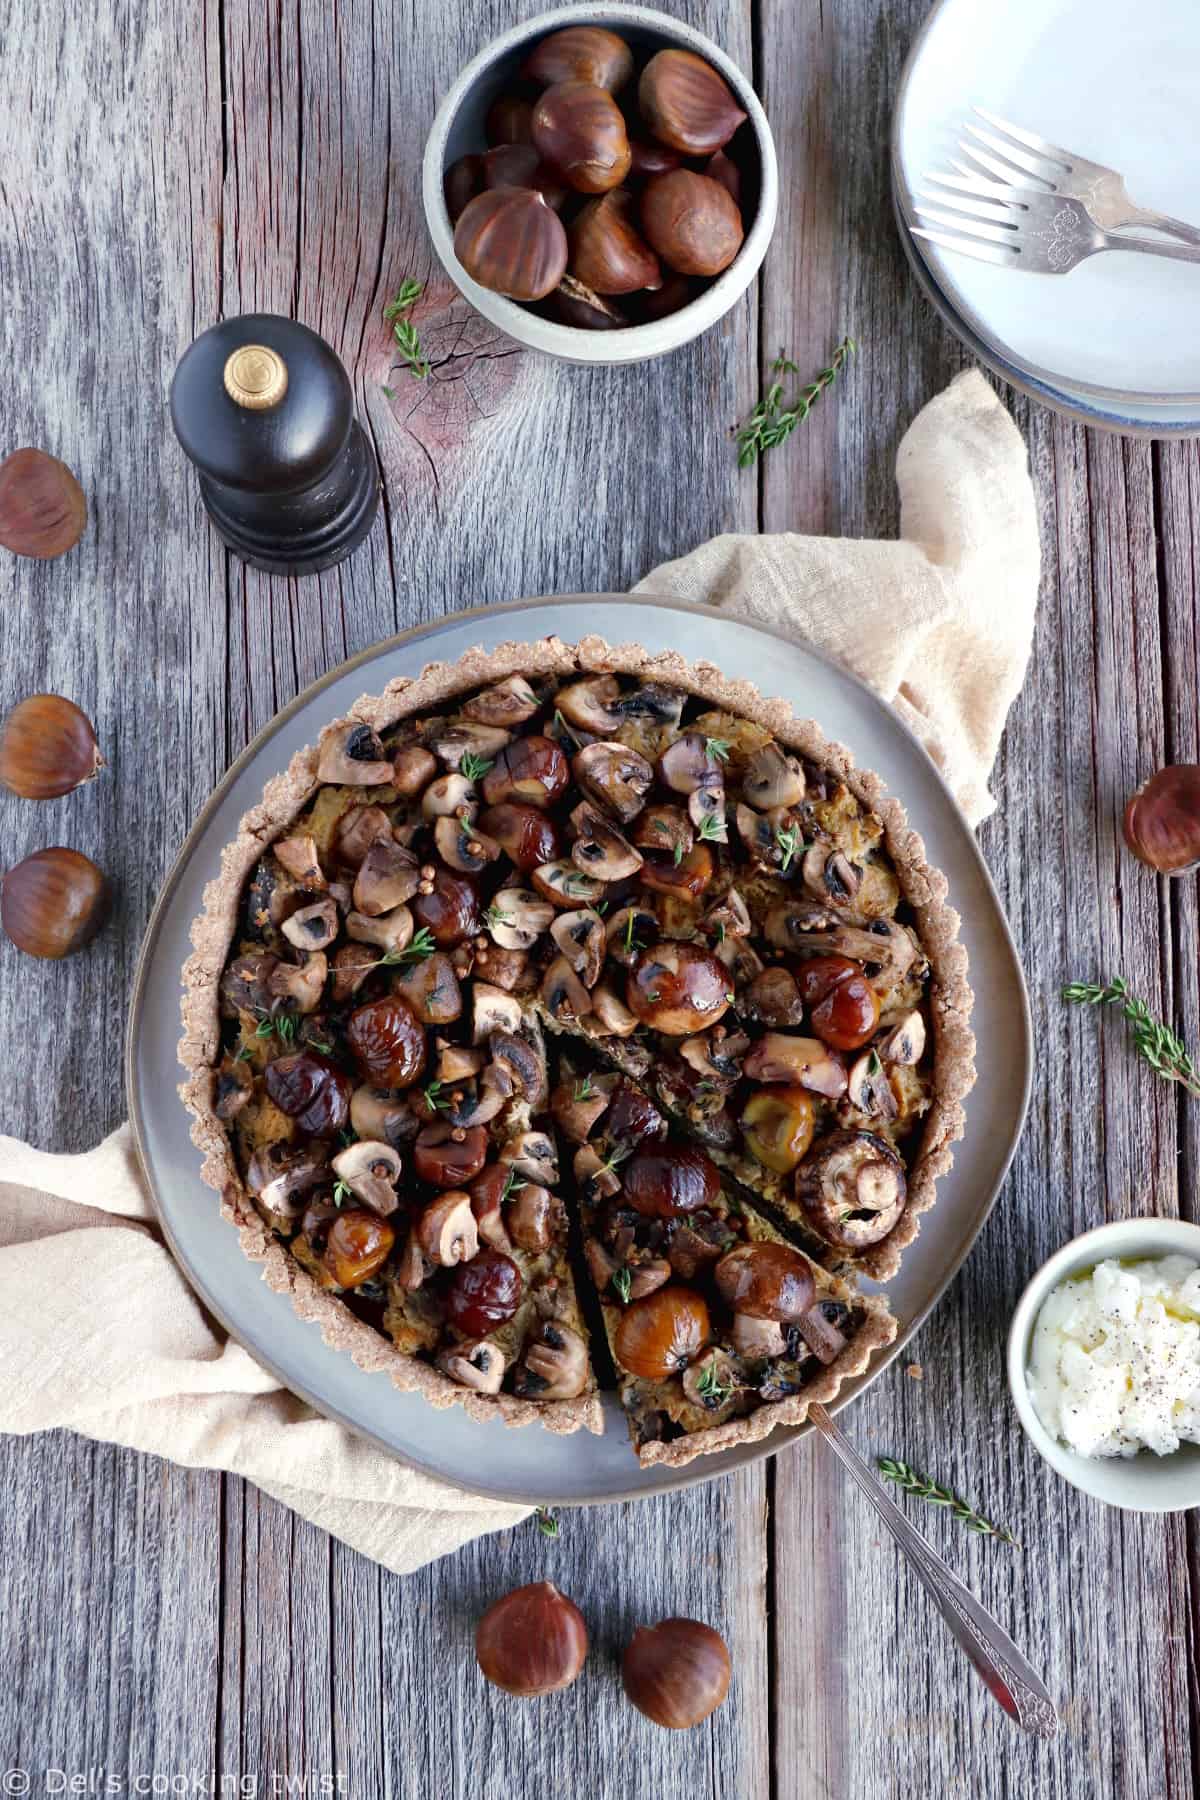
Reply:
x=570, y=986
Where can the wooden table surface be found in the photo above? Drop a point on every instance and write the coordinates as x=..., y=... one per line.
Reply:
x=163, y=165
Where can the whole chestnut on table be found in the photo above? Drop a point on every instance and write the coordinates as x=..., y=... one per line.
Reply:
x=531, y=1642
x=47, y=748
x=677, y=1673
x=53, y=903
x=42, y=507
x=1162, y=820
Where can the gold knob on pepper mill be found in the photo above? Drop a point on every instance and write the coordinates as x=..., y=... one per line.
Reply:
x=256, y=377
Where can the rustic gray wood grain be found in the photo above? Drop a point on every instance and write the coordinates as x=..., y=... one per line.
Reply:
x=162, y=165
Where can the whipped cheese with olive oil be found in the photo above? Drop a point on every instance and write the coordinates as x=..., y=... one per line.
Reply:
x=1115, y=1360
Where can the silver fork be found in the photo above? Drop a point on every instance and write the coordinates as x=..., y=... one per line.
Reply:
x=1039, y=233
x=1008, y=157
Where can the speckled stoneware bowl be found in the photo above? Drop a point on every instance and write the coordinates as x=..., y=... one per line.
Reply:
x=1143, y=1483
x=458, y=128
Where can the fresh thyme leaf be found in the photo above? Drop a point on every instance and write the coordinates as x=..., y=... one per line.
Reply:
x=341, y=1192
x=347, y=1136
x=407, y=342
x=584, y=1089
x=1167, y=1055
x=717, y=749
x=493, y=916
x=547, y=1523
x=433, y=1095
x=265, y=1028
x=244, y=1054
x=772, y=423
x=712, y=829
x=622, y=1283
x=632, y=943
x=790, y=844
x=873, y=1064
x=511, y=1185
x=922, y=1488
x=720, y=931
x=563, y=726
x=709, y=1385
x=320, y=1044
x=617, y=1155
x=678, y=854
x=474, y=767
x=385, y=389
x=421, y=946
x=602, y=907
x=654, y=998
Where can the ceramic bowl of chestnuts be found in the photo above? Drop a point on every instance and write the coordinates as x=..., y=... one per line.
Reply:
x=601, y=183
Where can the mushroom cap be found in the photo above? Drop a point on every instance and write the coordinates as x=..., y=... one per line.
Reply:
x=508, y=702
x=313, y=927
x=446, y=1229
x=517, y=918
x=772, y=779
x=599, y=848
x=353, y=756
x=614, y=775
x=581, y=938
x=852, y=1189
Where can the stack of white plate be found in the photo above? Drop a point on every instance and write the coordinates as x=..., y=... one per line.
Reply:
x=1114, y=343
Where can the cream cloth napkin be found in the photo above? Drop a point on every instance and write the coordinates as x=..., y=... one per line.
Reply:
x=98, y=1330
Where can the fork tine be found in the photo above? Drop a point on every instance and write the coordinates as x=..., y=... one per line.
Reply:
x=994, y=234
x=979, y=206
x=965, y=247
x=1028, y=163
x=1003, y=171
x=967, y=183
x=1051, y=152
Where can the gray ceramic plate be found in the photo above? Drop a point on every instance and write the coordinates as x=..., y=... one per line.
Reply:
x=531, y=1464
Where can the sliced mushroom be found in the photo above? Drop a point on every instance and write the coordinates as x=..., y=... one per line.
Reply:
x=646, y=1277
x=580, y=937
x=519, y=1063
x=706, y=810
x=353, y=756
x=615, y=776
x=492, y=1010
x=446, y=1229
x=852, y=1188
x=716, y=1055
x=462, y=738
x=629, y=932
x=463, y=848
x=299, y=857
x=382, y=1114
x=370, y=1170
x=509, y=702
x=579, y=1102
x=800, y=925
x=352, y=963
x=477, y=1364
x=599, y=849
x=740, y=958
x=554, y=1365
x=389, y=875
x=757, y=1339
x=868, y=1089
x=532, y=1154
x=431, y=989
x=798, y=1061
x=456, y=1063
x=713, y=1381
x=563, y=994
x=887, y=950
x=565, y=885
x=358, y=829
x=412, y=767
x=905, y=1042
x=666, y=830
x=313, y=927
x=730, y=917
x=611, y=1013
x=823, y=1337
x=390, y=931
x=233, y=1086
x=772, y=779
x=473, y=1104
x=305, y=985
x=446, y=797
x=517, y=918
x=686, y=765
x=531, y=1216
x=507, y=969
x=279, y=1179
x=757, y=834
x=830, y=875
x=654, y=701
x=774, y=997
x=595, y=1178
x=245, y=983
x=589, y=704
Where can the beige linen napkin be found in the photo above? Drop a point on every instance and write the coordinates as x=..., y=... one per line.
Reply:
x=98, y=1330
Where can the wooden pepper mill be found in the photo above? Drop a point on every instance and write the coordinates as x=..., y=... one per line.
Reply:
x=263, y=408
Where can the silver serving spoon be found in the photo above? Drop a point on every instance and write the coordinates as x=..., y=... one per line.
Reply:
x=988, y=1648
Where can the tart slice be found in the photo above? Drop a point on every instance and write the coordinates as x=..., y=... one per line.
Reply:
x=719, y=1328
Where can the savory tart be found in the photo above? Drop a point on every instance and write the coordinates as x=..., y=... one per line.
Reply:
x=572, y=981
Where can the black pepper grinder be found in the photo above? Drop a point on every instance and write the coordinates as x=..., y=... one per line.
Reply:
x=263, y=408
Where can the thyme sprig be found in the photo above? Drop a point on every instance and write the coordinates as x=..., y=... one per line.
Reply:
x=622, y=1285
x=713, y=1388
x=717, y=749
x=404, y=331
x=771, y=422
x=712, y=829
x=921, y=1487
x=474, y=767
x=546, y=1521
x=280, y=1025
x=433, y=1096
x=1155, y=1043
x=790, y=845
x=341, y=1192
x=422, y=945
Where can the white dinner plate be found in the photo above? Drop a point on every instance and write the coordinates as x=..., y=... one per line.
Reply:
x=1118, y=84
x=489, y=1458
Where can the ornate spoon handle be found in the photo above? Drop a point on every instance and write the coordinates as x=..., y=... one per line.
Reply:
x=991, y=1652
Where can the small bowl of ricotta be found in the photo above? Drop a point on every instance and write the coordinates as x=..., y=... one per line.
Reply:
x=1104, y=1363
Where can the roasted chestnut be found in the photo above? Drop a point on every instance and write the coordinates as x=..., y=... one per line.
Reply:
x=678, y=988
x=388, y=1042
x=523, y=832
x=687, y=104
x=519, y=165
x=449, y=1158
x=47, y=748
x=692, y=222
x=677, y=1673
x=766, y=1281
x=1162, y=820
x=54, y=902
x=579, y=128
x=532, y=770
x=509, y=119
x=577, y=305
x=311, y=1090
x=580, y=53
x=664, y=1181
x=512, y=241
x=845, y=1007
x=691, y=875
x=649, y=157
x=358, y=1245
x=450, y=912
x=484, y=1294
x=533, y=1641
x=778, y=1125
x=607, y=253
x=660, y=1334
x=42, y=507
x=723, y=169
x=462, y=181
x=676, y=292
